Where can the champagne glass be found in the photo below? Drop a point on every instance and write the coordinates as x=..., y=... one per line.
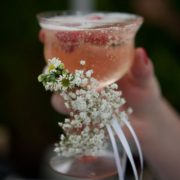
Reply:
x=105, y=40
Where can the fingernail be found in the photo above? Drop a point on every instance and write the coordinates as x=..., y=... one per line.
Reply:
x=141, y=63
x=143, y=56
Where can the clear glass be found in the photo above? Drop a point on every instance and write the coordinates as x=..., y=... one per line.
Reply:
x=105, y=40
x=86, y=167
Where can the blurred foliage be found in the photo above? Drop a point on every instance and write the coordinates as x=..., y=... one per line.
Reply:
x=24, y=105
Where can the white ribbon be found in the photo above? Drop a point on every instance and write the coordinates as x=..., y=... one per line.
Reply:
x=125, y=145
x=127, y=123
x=120, y=169
x=124, y=161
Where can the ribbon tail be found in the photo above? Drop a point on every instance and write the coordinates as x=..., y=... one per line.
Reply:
x=127, y=123
x=116, y=153
x=124, y=162
x=125, y=145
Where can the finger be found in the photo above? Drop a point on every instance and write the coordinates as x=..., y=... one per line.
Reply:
x=140, y=86
x=141, y=71
x=58, y=104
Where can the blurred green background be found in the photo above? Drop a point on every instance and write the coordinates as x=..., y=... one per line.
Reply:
x=28, y=121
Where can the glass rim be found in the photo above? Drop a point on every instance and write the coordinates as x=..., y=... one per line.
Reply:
x=46, y=17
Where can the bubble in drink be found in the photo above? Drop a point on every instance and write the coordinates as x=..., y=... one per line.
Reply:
x=104, y=40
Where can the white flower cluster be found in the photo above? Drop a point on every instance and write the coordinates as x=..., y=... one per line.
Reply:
x=55, y=77
x=85, y=129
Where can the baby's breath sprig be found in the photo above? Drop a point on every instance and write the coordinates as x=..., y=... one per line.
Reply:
x=90, y=110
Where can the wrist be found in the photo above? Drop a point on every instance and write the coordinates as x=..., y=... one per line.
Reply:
x=159, y=130
x=156, y=123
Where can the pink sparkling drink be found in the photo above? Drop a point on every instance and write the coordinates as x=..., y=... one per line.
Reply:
x=104, y=40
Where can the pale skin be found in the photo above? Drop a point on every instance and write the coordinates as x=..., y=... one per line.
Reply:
x=156, y=123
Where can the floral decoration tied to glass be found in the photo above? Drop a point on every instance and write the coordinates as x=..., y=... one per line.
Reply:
x=86, y=54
